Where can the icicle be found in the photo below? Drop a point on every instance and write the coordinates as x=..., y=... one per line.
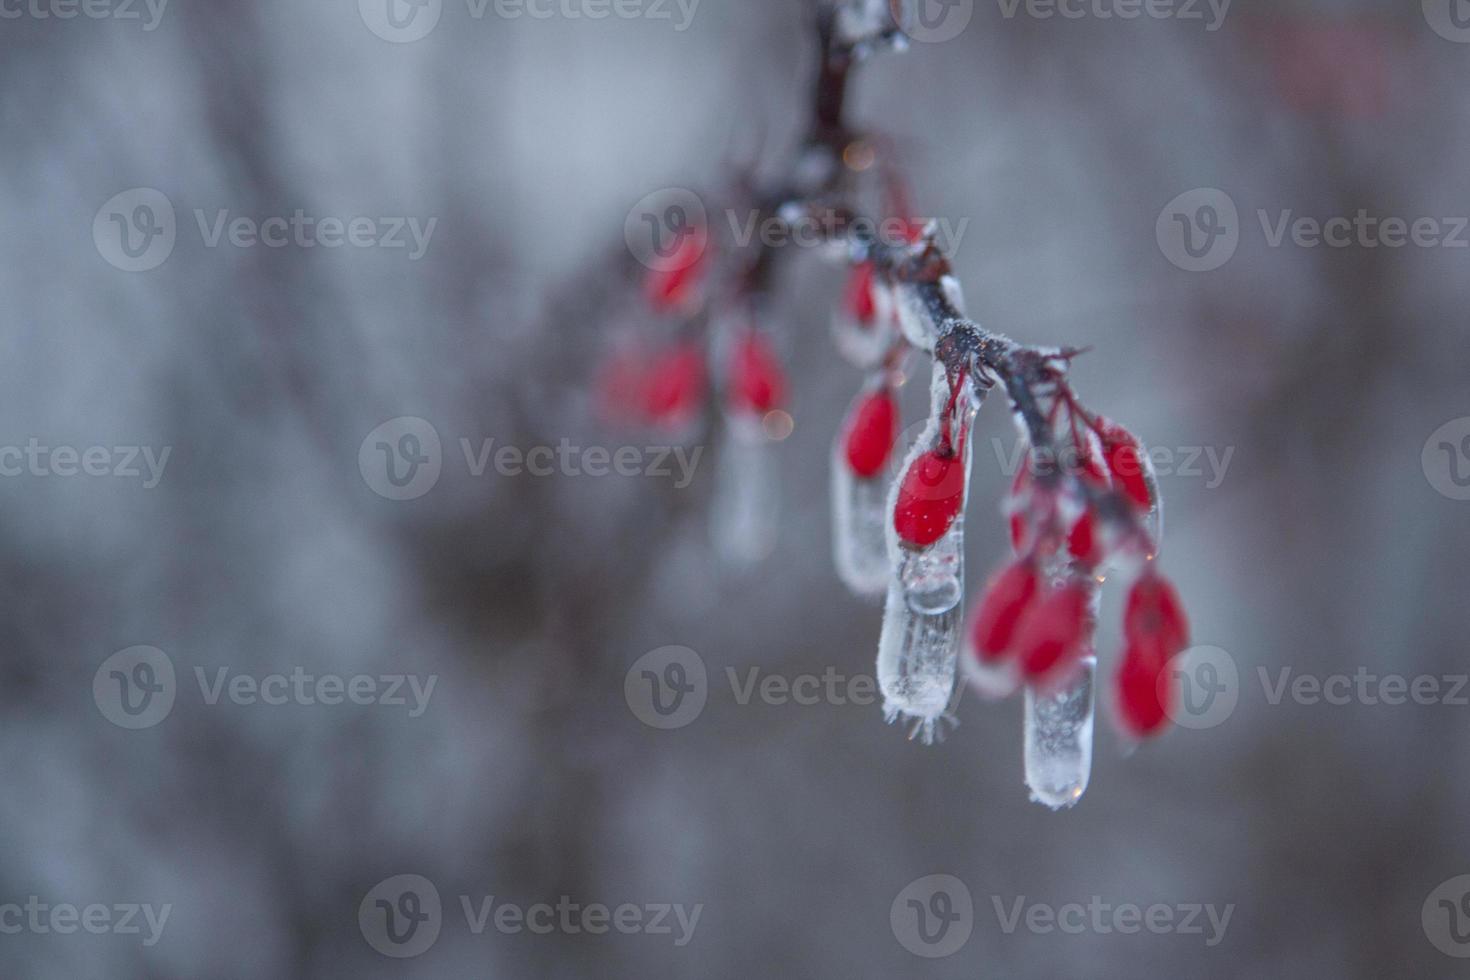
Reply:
x=863, y=463
x=1058, y=733
x=917, y=658
x=745, y=511
x=918, y=651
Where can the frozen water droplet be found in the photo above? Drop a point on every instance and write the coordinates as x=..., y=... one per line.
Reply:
x=746, y=508
x=1058, y=735
x=859, y=526
x=918, y=655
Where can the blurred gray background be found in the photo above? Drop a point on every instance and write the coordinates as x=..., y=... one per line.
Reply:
x=1326, y=547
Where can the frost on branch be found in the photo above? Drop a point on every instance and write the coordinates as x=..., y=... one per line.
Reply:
x=1085, y=503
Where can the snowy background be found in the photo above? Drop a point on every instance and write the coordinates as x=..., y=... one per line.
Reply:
x=1325, y=547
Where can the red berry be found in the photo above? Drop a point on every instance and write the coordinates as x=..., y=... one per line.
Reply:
x=620, y=388
x=1143, y=708
x=757, y=382
x=858, y=301
x=871, y=433
x=1082, y=542
x=930, y=497
x=1154, y=617
x=1124, y=456
x=1006, y=600
x=674, y=285
x=1051, y=634
x=675, y=385
x=1019, y=500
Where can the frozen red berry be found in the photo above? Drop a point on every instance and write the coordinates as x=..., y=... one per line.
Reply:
x=872, y=431
x=858, y=299
x=757, y=381
x=1051, y=634
x=675, y=283
x=1006, y=599
x=1142, y=696
x=1155, y=617
x=1125, y=459
x=1082, y=540
x=674, y=385
x=930, y=497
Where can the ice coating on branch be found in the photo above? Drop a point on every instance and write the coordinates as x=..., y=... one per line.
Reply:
x=744, y=513
x=917, y=658
x=863, y=458
x=1058, y=735
x=916, y=320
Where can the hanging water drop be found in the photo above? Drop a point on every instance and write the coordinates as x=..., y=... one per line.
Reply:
x=1058, y=737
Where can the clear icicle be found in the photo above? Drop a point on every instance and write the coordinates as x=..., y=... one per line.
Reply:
x=1058, y=734
x=917, y=658
x=918, y=650
x=745, y=511
x=860, y=503
x=859, y=519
